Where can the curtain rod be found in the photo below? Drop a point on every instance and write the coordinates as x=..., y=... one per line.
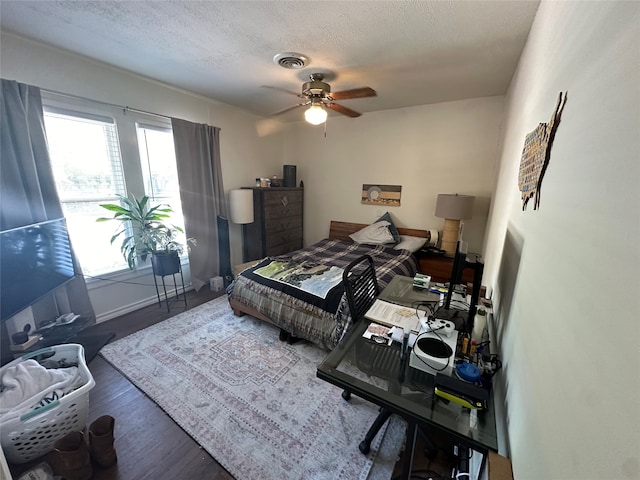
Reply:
x=125, y=108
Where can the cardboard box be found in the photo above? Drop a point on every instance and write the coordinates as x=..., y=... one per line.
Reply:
x=216, y=284
x=499, y=467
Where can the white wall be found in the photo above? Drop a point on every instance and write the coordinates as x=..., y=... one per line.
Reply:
x=443, y=148
x=246, y=151
x=565, y=277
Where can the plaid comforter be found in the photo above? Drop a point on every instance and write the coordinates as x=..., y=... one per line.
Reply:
x=322, y=321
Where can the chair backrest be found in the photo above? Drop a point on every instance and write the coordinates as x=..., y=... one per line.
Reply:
x=361, y=286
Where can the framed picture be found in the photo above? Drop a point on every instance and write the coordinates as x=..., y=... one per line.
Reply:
x=387, y=195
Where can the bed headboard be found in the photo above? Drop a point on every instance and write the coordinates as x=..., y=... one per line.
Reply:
x=342, y=230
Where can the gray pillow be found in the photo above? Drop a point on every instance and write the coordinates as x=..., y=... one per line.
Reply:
x=375, y=234
x=392, y=228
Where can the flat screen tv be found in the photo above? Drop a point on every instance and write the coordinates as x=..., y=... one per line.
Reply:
x=34, y=260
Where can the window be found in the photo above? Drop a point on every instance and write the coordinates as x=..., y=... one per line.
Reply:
x=97, y=153
x=157, y=156
x=159, y=170
x=87, y=167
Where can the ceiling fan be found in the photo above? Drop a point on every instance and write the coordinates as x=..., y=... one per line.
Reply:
x=317, y=94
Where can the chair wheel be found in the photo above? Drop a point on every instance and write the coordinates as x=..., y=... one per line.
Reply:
x=346, y=395
x=364, y=447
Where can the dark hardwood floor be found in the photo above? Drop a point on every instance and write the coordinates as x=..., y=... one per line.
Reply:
x=149, y=444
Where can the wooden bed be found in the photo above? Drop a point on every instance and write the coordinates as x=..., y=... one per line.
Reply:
x=337, y=231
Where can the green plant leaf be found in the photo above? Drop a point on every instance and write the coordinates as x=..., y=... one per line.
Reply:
x=113, y=207
x=143, y=229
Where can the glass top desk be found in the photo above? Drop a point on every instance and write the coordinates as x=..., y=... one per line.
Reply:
x=375, y=372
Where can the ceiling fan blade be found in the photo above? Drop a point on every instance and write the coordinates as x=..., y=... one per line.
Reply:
x=280, y=89
x=290, y=108
x=343, y=110
x=354, y=93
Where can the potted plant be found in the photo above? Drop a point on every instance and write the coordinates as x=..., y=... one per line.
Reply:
x=149, y=235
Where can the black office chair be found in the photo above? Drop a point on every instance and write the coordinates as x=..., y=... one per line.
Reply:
x=361, y=287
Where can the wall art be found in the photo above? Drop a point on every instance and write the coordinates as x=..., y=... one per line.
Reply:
x=536, y=154
x=387, y=195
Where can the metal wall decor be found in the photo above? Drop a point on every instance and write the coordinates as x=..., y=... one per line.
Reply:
x=387, y=195
x=536, y=154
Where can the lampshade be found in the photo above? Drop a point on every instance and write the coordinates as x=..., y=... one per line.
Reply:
x=315, y=115
x=241, y=205
x=453, y=208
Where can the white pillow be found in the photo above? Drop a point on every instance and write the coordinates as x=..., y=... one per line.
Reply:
x=374, y=234
x=412, y=244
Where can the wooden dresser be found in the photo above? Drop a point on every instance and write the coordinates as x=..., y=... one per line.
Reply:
x=277, y=225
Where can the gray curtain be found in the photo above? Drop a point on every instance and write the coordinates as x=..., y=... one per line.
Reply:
x=202, y=192
x=27, y=189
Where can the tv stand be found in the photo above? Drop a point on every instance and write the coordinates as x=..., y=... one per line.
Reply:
x=55, y=335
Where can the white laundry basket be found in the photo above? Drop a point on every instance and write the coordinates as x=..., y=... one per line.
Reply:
x=33, y=434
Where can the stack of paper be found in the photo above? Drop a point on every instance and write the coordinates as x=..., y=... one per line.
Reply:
x=394, y=315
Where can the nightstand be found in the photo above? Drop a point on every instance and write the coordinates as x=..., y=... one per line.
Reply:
x=439, y=267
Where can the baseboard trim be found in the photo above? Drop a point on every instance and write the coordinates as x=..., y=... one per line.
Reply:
x=132, y=307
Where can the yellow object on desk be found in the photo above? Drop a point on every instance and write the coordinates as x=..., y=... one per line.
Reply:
x=465, y=402
x=465, y=345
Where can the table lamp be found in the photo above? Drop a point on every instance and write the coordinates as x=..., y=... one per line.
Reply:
x=453, y=208
x=241, y=205
x=241, y=211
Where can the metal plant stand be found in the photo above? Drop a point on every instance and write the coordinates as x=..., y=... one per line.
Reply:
x=170, y=301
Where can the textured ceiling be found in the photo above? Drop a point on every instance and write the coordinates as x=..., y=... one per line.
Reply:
x=410, y=52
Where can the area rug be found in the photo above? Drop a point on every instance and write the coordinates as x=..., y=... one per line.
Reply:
x=253, y=402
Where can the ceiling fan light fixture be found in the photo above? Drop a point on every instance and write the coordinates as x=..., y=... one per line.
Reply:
x=315, y=115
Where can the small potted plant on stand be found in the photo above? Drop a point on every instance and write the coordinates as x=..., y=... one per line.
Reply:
x=149, y=236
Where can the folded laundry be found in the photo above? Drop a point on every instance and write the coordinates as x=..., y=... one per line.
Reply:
x=29, y=385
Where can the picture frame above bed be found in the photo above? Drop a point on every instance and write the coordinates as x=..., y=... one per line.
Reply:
x=387, y=195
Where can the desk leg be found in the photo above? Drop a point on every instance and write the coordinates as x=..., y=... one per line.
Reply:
x=407, y=458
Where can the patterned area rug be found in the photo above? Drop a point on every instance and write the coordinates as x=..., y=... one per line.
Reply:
x=254, y=402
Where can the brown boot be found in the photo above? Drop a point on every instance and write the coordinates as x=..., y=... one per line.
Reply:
x=101, y=441
x=70, y=457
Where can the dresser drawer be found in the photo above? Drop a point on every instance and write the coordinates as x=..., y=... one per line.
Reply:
x=291, y=210
x=284, y=237
x=289, y=203
x=282, y=224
